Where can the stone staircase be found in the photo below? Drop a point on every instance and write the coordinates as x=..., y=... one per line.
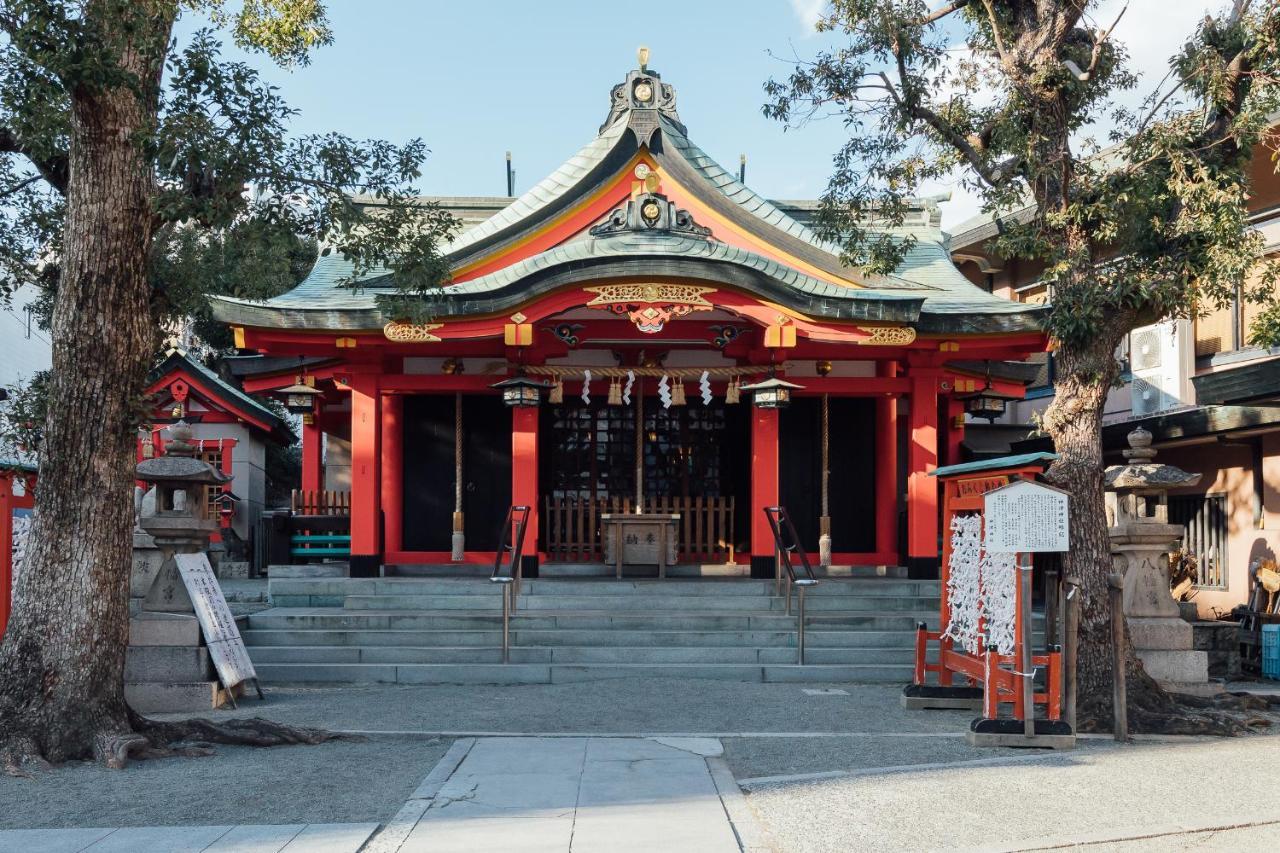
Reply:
x=417, y=630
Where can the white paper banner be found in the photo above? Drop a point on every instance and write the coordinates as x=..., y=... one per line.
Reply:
x=626, y=391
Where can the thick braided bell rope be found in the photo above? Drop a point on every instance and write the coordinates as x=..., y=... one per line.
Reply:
x=1000, y=600
x=964, y=595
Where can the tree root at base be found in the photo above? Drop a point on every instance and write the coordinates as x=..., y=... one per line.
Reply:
x=1153, y=710
x=140, y=738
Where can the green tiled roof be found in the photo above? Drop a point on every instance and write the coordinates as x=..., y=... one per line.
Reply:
x=944, y=300
x=177, y=359
x=992, y=464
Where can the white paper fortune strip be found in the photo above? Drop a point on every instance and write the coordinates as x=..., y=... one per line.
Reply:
x=1000, y=600
x=626, y=391
x=704, y=385
x=963, y=581
x=664, y=392
x=586, y=387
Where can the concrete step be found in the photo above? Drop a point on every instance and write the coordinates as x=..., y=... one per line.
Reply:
x=485, y=603
x=338, y=619
x=681, y=570
x=609, y=586
x=285, y=637
x=525, y=673
x=657, y=602
x=572, y=655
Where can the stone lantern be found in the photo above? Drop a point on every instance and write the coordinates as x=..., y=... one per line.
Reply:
x=1141, y=539
x=168, y=668
x=175, y=517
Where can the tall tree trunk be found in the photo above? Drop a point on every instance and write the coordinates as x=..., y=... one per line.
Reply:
x=1086, y=373
x=62, y=659
x=1074, y=420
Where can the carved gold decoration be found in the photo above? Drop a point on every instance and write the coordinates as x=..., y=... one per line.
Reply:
x=650, y=306
x=888, y=336
x=411, y=333
x=615, y=294
x=519, y=318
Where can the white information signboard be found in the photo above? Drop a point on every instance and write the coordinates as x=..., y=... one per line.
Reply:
x=1025, y=517
x=226, y=648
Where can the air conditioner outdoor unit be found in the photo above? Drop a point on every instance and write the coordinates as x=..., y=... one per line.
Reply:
x=1161, y=361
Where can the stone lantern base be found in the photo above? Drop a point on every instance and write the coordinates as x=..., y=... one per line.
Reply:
x=1161, y=637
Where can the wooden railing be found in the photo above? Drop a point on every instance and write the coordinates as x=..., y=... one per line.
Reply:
x=320, y=502
x=572, y=526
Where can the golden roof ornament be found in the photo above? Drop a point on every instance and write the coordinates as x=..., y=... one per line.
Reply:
x=642, y=56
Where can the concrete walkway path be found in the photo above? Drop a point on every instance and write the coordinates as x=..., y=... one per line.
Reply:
x=284, y=838
x=580, y=794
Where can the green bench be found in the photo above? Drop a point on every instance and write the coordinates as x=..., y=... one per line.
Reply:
x=319, y=545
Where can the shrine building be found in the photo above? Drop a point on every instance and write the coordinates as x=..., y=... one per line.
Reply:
x=678, y=344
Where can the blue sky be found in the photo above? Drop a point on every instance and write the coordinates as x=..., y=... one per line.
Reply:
x=475, y=79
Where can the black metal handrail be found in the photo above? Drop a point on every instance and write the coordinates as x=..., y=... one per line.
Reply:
x=510, y=572
x=786, y=547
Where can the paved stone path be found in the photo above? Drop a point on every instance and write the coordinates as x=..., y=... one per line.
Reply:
x=287, y=838
x=580, y=794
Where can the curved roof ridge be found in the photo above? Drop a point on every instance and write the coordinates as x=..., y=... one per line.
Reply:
x=640, y=243
x=543, y=193
x=745, y=197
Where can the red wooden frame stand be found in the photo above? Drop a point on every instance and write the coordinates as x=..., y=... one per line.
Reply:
x=984, y=679
x=10, y=501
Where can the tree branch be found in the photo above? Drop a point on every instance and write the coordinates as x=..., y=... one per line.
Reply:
x=941, y=13
x=54, y=169
x=910, y=103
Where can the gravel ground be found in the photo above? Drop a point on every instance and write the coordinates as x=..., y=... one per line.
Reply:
x=1088, y=796
x=640, y=705
x=752, y=758
x=337, y=782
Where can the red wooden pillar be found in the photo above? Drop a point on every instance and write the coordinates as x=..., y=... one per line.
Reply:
x=312, y=455
x=366, y=491
x=922, y=490
x=227, y=446
x=955, y=431
x=764, y=488
x=9, y=501
x=887, y=471
x=524, y=477
x=393, y=470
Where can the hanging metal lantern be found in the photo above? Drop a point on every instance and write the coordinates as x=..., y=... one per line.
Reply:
x=772, y=393
x=520, y=391
x=986, y=403
x=300, y=398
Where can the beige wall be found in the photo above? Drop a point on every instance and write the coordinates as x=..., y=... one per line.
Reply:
x=1228, y=469
x=337, y=464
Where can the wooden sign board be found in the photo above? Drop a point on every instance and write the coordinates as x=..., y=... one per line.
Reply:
x=1025, y=517
x=226, y=648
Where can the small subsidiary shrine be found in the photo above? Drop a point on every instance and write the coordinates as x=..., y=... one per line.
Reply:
x=642, y=293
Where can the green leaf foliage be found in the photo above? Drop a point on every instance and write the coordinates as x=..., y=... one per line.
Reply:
x=1148, y=221
x=241, y=204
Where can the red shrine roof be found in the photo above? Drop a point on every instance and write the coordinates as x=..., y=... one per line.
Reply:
x=178, y=378
x=642, y=201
